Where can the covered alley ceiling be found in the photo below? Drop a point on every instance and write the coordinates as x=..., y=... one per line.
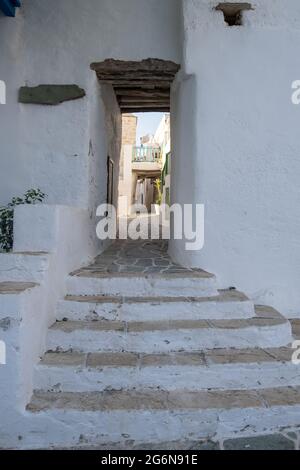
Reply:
x=139, y=86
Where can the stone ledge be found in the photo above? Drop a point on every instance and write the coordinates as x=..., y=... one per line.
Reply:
x=224, y=296
x=196, y=358
x=7, y=288
x=149, y=399
x=50, y=94
x=70, y=326
x=86, y=273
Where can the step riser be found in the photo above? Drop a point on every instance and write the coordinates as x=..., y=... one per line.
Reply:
x=228, y=376
x=170, y=340
x=17, y=267
x=154, y=311
x=150, y=425
x=142, y=286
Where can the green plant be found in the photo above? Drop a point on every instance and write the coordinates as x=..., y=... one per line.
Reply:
x=32, y=196
x=157, y=184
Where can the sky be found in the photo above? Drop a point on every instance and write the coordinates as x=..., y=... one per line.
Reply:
x=147, y=124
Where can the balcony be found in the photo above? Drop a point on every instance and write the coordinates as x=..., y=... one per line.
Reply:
x=147, y=161
x=146, y=155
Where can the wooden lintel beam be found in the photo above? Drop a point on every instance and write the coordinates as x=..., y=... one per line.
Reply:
x=142, y=104
x=143, y=93
x=138, y=83
x=136, y=77
x=133, y=99
x=143, y=85
x=145, y=110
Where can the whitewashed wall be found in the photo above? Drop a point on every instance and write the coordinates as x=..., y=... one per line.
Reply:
x=63, y=150
x=25, y=317
x=247, y=164
x=105, y=131
x=240, y=156
x=49, y=146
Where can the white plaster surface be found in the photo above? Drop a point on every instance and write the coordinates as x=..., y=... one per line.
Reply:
x=245, y=165
x=21, y=267
x=154, y=310
x=24, y=337
x=143, y=286
x=217, y=377
x=48, y=147
x=142, y=426
x=65, y=233
x=89, y=340
x=235, y=149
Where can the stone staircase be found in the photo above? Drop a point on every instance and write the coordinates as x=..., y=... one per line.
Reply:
x=138, y=359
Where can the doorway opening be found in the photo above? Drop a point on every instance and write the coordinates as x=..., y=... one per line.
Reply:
x=146, y=150
x=143, y=92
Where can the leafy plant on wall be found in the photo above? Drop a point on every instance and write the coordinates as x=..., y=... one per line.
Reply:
x=32, y=196
x=157, y=185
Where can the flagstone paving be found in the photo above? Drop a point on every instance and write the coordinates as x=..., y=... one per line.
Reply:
x=136, y=257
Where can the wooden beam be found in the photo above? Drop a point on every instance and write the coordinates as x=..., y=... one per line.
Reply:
x=139, y=86
x=142, y=93
x=145, y=110
x=137, y=99
x=142, y=104
x=136, y=82
x=141, y=77
x=142, y=85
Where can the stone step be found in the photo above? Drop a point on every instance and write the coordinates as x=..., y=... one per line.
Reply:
x=198, y=284
x=156, y=416
x=229, y=304
x=265, y=330
x=225, y=369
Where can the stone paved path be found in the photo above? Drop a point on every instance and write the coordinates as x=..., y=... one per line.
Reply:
x=136, y=256
x=288, y=439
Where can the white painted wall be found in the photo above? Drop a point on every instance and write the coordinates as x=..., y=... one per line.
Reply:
x=105, y=130
x=60, y=231
x=184, y=151
x=246, y=161
x=127, y=183
x=63, y=150
x=49, y=146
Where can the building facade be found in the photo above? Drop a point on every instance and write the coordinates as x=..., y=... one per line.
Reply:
x=234, y=146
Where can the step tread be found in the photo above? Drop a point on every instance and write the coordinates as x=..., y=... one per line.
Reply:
x=29, y=253
x=224, y=296
x=13, y=287
x=196, y=358
x=177, y=274
x=149, y=399
x=265, y=317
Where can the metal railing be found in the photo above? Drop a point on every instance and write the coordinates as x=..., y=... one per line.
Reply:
x=146, y=154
